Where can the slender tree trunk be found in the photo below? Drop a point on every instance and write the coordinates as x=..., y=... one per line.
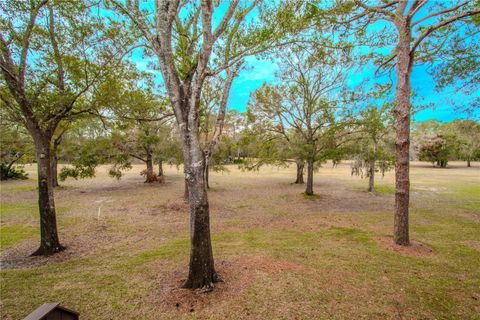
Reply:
x=468, y=163
x=201, y=268
x=309, y=190
x=161, y=178
x=300, y=166
x=371, y=176
x=402, y=140
x=185, y=192
x=371, y=169
x=207, y=169
x=56, y=143
x=49, y=242
x=150, y=176
x=54, y=170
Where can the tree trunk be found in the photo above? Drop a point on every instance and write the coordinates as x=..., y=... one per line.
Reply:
x=402, y=139
x=49, y=243
x=371, y=176
x=185, y=192
x=161, y=178
x=207, y=169
x=300, y=166
x=150, y=175
x=54, y=170
x=201, y=268
x=468, y=163
x=56, y=143
x=309, y=190
x=443, y=163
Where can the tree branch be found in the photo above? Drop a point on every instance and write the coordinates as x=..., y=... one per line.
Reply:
x=431, y=29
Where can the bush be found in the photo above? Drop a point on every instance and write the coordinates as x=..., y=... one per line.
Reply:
x=12, y=173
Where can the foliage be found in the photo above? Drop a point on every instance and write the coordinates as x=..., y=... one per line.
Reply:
x=307, y=112
x=373, y=144
x=435, y=149
x=439, y=142
x=12, y=172
x=16, y=147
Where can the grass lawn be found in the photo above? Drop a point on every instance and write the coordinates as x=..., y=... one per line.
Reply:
x=282, y=255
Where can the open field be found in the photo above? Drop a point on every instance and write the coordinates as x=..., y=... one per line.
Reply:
x=282, y=256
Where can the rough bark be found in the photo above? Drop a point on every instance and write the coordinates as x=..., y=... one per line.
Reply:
x=309, y=190
x=49, y=242
x=201, y=268
x=402, y=139
x=300, y=166
x=54, y=170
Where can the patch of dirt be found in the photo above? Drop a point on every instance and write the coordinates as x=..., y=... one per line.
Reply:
x=96, y=239
x=239, y=274
x=473, y=244
x=172, y=205
x=415, y=249
x=19, y=257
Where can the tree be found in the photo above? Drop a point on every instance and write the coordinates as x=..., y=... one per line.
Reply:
x=439, y=142
x=169, y=149
x=372, y=147
x=416, y=22
x=306, y=109
x=467, y=133
x=140, y=115
x=52, y=56
x=189, y=50
x=435, y=149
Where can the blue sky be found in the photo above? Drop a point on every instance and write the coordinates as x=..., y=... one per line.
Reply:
x=259, y=71
x=263, y=71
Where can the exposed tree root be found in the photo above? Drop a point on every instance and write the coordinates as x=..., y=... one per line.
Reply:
x=48, y=252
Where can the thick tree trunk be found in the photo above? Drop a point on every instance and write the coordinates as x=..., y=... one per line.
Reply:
x=150, y=175
x=161, y=178
x=300, y=166
x=49, y=242
x=201, y=268
x=402, y=139
x=309, y=190
x=468, y=163
x=371, y=176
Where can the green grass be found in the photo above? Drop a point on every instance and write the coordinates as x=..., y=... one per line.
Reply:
x=469, y=195
x=309, y=196
x=24, y=188
x=312, y=263
x=384, y=189
x=11, y=235
x=172, y=251
x=18, y=210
